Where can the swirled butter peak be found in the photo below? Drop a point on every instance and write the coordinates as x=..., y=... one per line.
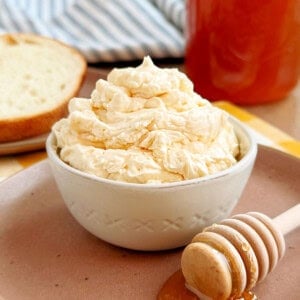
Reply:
x=146, y=125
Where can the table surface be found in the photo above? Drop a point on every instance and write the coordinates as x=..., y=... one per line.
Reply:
x=283, y=114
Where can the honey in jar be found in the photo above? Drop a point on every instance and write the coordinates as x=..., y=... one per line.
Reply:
x=246, y=51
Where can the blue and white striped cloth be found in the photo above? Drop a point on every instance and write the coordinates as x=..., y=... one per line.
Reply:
x=103, y=30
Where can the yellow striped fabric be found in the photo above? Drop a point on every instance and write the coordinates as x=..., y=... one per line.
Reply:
x=278, y=138
x=9, y=165
x=12, y=164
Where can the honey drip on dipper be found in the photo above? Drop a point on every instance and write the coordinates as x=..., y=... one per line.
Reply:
x=227, y=260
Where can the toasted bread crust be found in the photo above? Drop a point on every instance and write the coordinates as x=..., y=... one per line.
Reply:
x=27, y=127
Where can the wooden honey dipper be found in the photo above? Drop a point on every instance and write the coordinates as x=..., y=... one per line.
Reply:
x=231, y=257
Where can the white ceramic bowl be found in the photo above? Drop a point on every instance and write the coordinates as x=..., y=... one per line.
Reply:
x=156, y=216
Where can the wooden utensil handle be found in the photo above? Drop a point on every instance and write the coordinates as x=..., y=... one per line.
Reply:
x=288, y=220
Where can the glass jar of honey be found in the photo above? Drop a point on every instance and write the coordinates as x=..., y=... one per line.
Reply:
x=245, y=51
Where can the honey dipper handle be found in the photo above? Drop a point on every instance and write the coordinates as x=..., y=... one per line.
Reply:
x=288, y=220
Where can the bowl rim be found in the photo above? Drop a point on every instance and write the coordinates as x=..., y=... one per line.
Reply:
x=248, y=157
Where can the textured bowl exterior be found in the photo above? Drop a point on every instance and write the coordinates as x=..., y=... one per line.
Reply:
x=151, y=217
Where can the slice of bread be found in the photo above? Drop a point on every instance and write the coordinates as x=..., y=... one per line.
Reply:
x=38, y=77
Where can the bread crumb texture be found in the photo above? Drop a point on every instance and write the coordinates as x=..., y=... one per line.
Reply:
x=38, y=77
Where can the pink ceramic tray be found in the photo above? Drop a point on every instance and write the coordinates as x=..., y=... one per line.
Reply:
x=45, y=254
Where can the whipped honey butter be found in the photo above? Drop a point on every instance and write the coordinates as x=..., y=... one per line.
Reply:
x=146, y=125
